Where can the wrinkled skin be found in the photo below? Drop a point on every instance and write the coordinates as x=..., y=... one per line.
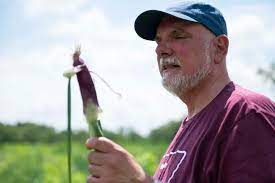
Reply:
x=196, y=49
x=110, y=163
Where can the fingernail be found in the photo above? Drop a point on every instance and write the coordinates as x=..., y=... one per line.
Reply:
x=89, y=142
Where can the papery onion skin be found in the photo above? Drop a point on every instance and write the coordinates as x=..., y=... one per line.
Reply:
x=85, y=81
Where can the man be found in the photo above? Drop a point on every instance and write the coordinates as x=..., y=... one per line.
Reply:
x=229, y=133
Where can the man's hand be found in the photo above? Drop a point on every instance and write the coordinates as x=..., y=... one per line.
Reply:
x=110, y=163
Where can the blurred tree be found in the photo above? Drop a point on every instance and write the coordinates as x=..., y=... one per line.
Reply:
x=31, y=132
x=7, y=133
x=164, y=133
x=26, y=132
x=268, y=74
x=35, y=133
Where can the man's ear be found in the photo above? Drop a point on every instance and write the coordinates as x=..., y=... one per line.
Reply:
x=221, y=44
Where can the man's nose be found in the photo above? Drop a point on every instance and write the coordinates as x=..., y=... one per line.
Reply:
x=164, y=49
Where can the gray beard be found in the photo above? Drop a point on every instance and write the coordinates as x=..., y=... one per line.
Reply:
x=181, y=84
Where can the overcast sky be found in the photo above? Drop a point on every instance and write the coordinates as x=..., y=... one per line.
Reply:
x=38, y=38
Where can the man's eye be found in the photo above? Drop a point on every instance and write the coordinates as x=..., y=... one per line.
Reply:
x=157, y=39
x=179, y=36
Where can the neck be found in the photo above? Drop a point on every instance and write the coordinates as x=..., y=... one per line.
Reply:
x=200, y=96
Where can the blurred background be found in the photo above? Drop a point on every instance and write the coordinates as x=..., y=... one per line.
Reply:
x=38, y=38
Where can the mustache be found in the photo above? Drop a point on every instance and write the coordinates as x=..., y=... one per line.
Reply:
x=166, y=61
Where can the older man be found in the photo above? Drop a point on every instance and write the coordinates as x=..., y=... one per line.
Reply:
x=229, y=133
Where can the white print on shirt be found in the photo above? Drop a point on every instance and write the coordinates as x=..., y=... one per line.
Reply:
x=175, y=153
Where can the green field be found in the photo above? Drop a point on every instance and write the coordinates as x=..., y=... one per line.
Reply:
x=47, y=163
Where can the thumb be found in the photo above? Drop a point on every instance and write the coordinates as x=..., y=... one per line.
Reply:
x=101, y=144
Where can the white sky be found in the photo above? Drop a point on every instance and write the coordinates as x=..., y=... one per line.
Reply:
x=39, y=36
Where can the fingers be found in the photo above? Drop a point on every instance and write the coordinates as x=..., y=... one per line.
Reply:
x=95, y=170
x=93, y=179
x=97, y=158
x=101, y=144
x=109, y=162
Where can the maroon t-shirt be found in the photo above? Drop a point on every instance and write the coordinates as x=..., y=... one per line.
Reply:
x=232, y=140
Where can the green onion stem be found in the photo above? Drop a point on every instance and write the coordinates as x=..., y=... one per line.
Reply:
x=95, y=129
x=69, y=132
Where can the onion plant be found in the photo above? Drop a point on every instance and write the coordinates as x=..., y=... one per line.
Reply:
x=89, y=98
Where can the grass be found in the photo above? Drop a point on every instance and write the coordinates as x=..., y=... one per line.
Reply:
x=47, y=163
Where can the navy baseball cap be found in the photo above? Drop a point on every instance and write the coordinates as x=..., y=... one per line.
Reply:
x=146, y=23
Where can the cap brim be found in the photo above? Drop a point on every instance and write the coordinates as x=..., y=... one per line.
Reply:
x=147, y=22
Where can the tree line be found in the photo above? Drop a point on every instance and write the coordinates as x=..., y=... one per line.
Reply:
x=29, y=132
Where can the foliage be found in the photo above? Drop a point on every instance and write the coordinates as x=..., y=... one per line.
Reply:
x=26, y=132
x=34, y=133
x=268, y=74
x=32, y=153
x=36, y=163
x=164, y=133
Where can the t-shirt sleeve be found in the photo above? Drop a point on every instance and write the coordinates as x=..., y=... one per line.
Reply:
x=248, y=152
